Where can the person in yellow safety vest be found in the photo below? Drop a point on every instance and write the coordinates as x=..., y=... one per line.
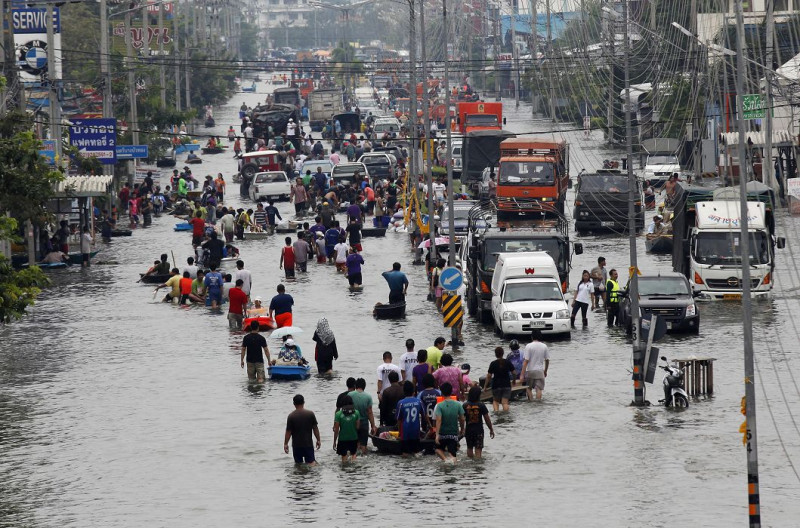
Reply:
x=612, y=298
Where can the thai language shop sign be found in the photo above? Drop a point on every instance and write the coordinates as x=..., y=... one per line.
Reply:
x=95, y=138
x=753, y=106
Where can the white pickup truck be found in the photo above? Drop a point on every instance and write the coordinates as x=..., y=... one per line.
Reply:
x=527, y=296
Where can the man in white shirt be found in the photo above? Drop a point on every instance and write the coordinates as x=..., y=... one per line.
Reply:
x=535, y=363
x=226, y=225
x=291, y=129
x=439, y=193
x=191, y=267
x=244, y=275
x=383, y=372
x=408, y=361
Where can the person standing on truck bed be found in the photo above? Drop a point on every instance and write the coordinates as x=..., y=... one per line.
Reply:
x=612, y=298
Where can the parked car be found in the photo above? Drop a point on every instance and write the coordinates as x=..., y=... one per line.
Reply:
x=259, y=161
x=380, y=165
x=667, y=295
x=266, y=185
x=311, y=165
x=461, y=209
x=343, y=173
x=385, y=124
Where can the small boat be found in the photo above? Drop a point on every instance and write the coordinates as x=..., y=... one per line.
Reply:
x=256, y=235
x=183, y=226
x=77, y=258
x=384, y=223
x=289, y=372
x=389, y=311
x=210, y=123
x=285, y=229
x=154, y=279
x=265, y=322
x=373, y=232
x=658, y=244
x=186, y=147
x=392, y=446
x=48, y=265
x=213, y=150
x=251, y=88
x=165, y=162
x=517, y=392
x=194, y=161
x=121, y=232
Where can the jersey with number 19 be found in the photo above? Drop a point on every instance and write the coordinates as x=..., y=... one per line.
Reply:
x=409, y=417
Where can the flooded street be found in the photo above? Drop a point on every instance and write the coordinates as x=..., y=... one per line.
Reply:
x=117, y=410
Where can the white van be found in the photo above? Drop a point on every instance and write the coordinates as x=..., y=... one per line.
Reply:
x=526, y=295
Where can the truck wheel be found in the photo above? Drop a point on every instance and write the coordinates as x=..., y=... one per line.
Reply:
x=484, y=317
x=249, y=170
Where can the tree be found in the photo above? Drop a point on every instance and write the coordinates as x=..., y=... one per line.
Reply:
x=26, y=183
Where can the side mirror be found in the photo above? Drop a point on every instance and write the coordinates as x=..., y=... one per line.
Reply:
x=695, y=293
x=504, y=120
x=664, y=358
x=578, y=248
x=781, y=242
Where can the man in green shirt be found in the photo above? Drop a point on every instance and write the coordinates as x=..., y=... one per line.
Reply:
x=198, y=294
x=183, y=188
x=435, y=352
x=450, y=424
x=345, y=430
x=362, y=402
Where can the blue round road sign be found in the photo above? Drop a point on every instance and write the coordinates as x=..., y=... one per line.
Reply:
x=451, y=279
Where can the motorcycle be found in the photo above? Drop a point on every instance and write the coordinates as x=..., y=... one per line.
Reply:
x=674, y=393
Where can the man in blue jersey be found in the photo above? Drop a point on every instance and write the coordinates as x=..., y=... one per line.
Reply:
x=213, y=283
x=410, y=415
x=429, y=398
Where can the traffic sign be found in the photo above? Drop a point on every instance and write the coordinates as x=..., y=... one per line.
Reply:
x=451, y=279
x=126, y=152
x=753, y=107
x=95, y=138
x=452, y=310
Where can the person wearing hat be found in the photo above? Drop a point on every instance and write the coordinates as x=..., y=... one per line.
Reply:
x=300, y=424
x=656, y=226
x=290, y=353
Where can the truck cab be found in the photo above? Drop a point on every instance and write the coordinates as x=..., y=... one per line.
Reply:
x=527, y=296
x=601, y=202
x=484, y=244
x=659, y=167
x=533, y=177
x=480, y=116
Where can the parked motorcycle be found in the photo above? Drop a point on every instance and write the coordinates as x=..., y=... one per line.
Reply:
x=674, y=393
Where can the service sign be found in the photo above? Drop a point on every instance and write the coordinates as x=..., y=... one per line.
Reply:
x=30, y=41
x=95, y=138
x=793, y=187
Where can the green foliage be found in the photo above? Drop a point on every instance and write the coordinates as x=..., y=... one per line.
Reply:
x=345, y=63
x=26, y=181
x=18, y=289
x=677, y=108
x=249, y=41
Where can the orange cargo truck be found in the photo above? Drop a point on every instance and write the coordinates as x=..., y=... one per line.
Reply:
x=480, y=116
x=533, y=176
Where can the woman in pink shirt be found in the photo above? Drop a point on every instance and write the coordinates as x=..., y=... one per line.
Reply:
x=447, y=373
x=133, y=211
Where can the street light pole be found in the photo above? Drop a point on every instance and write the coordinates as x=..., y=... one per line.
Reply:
x=426, y=125
x=412, y=59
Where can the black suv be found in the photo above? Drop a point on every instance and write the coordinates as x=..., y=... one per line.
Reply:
x=601, y=202
x=667, y=295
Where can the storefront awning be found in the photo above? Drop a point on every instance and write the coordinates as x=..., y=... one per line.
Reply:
x=83, y=186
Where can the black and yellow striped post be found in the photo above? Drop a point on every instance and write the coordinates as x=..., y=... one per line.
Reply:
x=452, y=310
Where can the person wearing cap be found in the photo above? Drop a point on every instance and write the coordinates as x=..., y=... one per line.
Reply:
x=322, y=256
x=656, y=226
x=290, y=353
x=300, y=425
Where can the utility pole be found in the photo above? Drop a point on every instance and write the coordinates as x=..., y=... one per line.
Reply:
x=412, y=74
x=175, y=55
x=534, y=53
x=105, y=58
x=133, y=118
x=426, y=125
x=766, y=160
x=186, y=77
x=551, y=63
x=611, y=90
x=146, y=33
x=633, y=291
x=162, y=74
x=497, y=47
x=54, y=82
x=751, y=435
x=451, y=257
x=514, y=52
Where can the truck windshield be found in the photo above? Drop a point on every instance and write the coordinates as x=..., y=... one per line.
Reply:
x=532, y=291
x=526, y=173
x=725, y=248
x=615, y=183
x=481, y=120
x=662, y=160
x=552, y=246
x=662, y=286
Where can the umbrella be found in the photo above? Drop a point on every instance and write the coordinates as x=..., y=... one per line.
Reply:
x=286, y=330
x=440, y=241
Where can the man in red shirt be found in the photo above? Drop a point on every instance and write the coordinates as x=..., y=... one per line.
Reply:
x=237, y=301
x=198, y=228
x=124, y=196
x=287, y=258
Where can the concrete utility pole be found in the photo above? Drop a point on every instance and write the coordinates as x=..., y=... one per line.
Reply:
x=52, y=77
x=175, y=55
x=751, y=435
x=426, y=125
x=514, y=53
x=133, y=118
x=451, y=216
x=186, y=77
x=534, y=53
x=105, y=58
x=412, y=73
x=162, y=73
x=633, y=291
x=497, y=47
x=551, y=63
x=766, y=163
x=611, y=89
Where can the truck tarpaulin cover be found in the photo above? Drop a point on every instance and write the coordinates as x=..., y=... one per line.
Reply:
x=481, y=149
